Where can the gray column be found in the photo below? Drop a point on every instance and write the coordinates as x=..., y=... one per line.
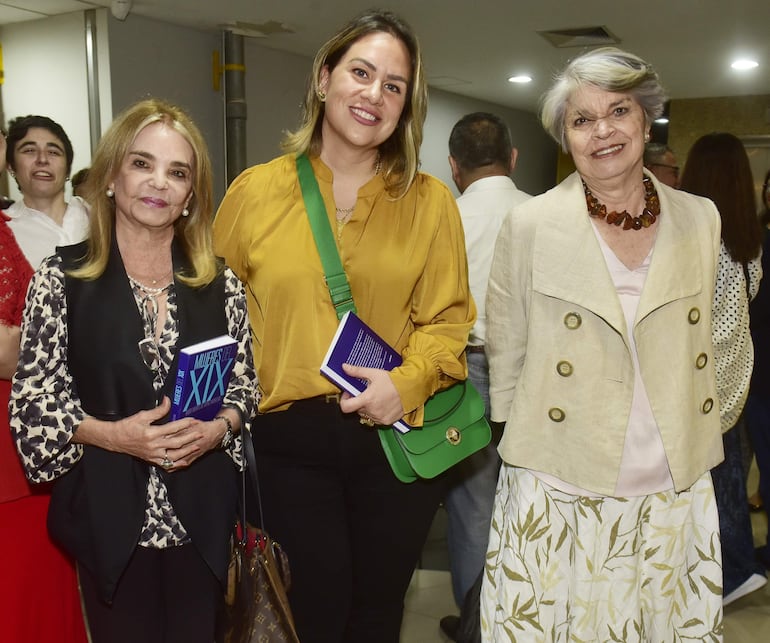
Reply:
x=235, y=105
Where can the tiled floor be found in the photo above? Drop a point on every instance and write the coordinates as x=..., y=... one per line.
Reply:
x=429, y=597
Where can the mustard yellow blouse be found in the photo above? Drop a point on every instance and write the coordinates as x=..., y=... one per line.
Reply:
x=405, y=260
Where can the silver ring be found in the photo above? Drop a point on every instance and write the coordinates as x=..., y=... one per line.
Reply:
x=166, y=463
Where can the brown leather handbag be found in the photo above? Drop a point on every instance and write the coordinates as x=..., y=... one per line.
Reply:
x=256, y=605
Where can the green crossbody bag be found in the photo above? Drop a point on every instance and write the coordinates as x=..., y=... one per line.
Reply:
x=454, y=425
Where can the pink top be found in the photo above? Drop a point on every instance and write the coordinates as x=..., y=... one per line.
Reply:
x=644, y=467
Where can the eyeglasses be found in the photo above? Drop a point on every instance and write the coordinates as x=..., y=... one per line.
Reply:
x=675, y=168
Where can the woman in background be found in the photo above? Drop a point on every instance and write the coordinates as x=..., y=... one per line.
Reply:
x=758, y=404
x=352, y=531
x=39, y=156
x=718, y=168
x=605, y=526
x=34, y=571
x=145, y=505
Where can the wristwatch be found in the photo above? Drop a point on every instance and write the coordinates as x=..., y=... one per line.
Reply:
x=227, y=438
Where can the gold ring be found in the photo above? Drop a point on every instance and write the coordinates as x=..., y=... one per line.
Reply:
x=366, y=420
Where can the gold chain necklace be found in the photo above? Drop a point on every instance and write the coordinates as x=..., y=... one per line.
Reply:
x=644, y=220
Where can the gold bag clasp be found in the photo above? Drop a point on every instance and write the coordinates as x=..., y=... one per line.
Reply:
x=453, y=435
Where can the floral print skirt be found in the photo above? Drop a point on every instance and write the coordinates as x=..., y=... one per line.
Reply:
x=578, y=568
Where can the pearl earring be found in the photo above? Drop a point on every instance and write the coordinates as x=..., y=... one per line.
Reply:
x=185, y=212
x=110, y=193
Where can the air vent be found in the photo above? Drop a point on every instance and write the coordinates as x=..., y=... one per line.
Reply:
x=580, y=37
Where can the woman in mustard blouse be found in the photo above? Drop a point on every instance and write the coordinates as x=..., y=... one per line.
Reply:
x=352, y=531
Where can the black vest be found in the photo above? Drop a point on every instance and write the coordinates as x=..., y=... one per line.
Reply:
x=97, y=509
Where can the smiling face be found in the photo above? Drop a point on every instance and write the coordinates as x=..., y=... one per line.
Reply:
x=365, y=92
x=154, y=182
x=40, y=164
x=605, y=134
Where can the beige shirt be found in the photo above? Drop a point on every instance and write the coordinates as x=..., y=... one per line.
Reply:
x=483, y=208
x=561, y=366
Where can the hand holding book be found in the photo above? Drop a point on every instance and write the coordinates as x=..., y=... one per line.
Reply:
x=380, y=400
x=358, y=345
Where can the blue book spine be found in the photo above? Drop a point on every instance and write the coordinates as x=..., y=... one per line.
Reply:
x=176, y=403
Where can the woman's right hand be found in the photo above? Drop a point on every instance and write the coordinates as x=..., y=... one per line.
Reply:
x=136, y=435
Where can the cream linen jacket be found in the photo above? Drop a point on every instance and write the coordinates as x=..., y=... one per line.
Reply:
x=561, y=370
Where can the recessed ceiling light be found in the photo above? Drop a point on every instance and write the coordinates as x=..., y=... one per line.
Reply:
x=523, y=78
x=744, y=63
x=662, y=120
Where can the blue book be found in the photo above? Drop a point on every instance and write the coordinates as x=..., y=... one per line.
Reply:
x=202, y=378
x=357, y=344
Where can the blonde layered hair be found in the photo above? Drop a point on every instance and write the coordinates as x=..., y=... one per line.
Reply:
x=193, y=232
x=399, y=155
x=607, y=68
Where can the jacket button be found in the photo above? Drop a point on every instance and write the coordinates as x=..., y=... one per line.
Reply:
x=556, y=414
x=564, y=368
x=693, y=316
x=707, y=405
x=572, y=320
x=701, y=361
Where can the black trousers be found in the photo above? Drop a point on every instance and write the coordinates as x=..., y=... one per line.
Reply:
x=353, y=533
x=164, y=596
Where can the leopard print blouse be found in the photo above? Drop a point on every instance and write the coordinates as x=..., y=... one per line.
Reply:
x=45, y=410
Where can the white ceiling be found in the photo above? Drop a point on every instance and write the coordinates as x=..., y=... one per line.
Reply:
x=472, y=46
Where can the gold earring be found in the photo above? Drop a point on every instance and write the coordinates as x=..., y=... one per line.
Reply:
x=322, y=96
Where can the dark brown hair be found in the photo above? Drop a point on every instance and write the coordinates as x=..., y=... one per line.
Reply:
x=718, y=168
x=764, y=217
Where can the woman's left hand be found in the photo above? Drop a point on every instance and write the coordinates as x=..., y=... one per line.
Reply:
x=380, y=402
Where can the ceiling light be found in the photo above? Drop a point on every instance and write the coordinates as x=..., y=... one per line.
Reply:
x=744, y=63
x=523, y=78
x=662, y=120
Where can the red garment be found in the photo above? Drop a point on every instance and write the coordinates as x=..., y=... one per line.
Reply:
x=15, y=273
x=39, y=598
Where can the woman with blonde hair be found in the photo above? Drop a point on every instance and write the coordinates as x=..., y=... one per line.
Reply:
x=145, y=505
x=352, y=531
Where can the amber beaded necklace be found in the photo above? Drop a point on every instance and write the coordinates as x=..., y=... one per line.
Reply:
x=644, y=220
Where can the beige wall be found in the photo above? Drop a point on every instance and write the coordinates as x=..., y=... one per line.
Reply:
x=693, y=117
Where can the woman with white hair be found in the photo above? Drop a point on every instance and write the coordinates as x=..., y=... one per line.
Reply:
x=601, y=364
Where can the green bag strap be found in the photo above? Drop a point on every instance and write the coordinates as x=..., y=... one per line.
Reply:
x=336, y=279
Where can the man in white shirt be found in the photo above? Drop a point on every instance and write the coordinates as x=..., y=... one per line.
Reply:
x=39, y=157
x=482, y=159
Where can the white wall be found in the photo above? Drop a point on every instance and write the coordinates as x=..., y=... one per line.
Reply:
x=275, y=89
x=157, y=59
x=45, y=73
